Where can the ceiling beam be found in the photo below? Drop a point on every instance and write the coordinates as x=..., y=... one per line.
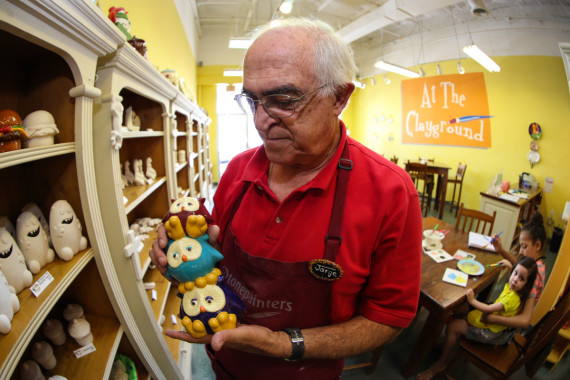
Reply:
x=388, y=13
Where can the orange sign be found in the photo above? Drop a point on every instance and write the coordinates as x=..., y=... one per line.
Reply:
x=446, y=110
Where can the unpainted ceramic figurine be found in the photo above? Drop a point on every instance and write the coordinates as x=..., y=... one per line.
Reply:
x=123, y=178
x=181, y=156
x=40, y=128
x=6, y=223
x=73, y=311
x=140, y=179
x=30, y=370
x=53, y=330
x=80, y=330
x=9, y=305
x=209, y=305
x=35, y=209
x=32, y=240
x=66, y=230
x=13, y=263
x=129, y=120
x=117, y=120
x=43, y=354
x=129, y=175
x=150, y=172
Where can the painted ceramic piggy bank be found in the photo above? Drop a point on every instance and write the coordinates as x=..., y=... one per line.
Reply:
x=66, y=231
x=13, y=263
x=9, y=305
x=33, y=242
x=209, y=305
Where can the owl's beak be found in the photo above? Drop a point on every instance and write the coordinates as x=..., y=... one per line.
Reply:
x=184, y=258
x=202, y=309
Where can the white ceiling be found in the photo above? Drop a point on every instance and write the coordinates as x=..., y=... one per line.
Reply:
x=404, y=32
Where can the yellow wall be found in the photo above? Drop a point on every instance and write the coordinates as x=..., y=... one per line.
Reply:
x=528, y=89
x=158, y=23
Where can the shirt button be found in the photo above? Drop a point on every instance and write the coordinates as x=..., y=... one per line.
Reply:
x=278, y=220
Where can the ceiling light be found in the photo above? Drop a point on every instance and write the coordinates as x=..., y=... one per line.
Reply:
x=233, y=73
x=478, y=8
x=387, y=80
x=477, y=54
x=460, y=68
x=396, y=69
x=286, y=7
x=239, y=43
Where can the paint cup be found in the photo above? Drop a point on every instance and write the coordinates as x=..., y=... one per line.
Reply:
x=433, y=238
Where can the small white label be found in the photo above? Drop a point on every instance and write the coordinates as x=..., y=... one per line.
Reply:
x=41, y=284
x=149, y=285
x=154, y=296
x=173, y=318
x=85, y=350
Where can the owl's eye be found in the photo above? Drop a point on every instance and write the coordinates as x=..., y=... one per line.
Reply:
x=194, y=302
x=175, y=255
x=188, y=248
x=209, y=299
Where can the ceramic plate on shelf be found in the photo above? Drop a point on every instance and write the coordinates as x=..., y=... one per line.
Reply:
x=471, y=267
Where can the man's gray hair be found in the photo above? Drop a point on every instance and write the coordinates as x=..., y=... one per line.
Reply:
x=334, y=62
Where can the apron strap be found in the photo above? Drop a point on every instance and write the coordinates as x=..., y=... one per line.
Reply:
x=334, y=238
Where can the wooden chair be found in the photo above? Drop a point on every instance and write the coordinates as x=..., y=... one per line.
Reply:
x=503, y=361
x=369, y=365
x=418, y=173
x=394, y=159
x=457, y=181
x=475, y=220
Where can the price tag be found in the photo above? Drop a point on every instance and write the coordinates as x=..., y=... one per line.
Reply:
x=41, y=284
x=85, y=350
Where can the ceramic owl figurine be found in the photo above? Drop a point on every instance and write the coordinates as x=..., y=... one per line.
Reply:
x=190, y=258
x=209, y=305
x=13, y=263
x=9, y=305
x=187, y=217
x=66, y=231
x=33, y=242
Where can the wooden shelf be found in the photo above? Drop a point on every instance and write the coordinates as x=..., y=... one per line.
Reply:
x=34, y=310
x=106, y=337
x=136, y=194
x=22, y=156
x=172, y=308
x=162, y=286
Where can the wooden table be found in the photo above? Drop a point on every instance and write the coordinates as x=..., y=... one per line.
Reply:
x=440, y=298
x=442, y=172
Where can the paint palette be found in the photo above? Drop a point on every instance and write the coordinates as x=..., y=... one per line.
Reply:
x=455, y=277
x=471, y=267
x=439, y=255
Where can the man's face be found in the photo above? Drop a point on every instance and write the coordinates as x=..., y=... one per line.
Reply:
x=282, y=63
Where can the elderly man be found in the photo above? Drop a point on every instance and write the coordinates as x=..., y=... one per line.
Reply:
x=320, y=235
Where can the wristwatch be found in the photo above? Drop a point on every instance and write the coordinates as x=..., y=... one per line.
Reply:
x=297, y=341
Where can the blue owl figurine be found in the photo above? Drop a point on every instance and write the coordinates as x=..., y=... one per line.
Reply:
x=190, y=258
x=208, y=305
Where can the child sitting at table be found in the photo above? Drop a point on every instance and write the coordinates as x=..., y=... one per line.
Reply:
x=507, y=305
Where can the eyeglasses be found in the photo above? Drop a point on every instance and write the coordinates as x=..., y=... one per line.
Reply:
x=277, y=105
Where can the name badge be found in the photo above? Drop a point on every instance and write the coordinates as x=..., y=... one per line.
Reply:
x=326, y=270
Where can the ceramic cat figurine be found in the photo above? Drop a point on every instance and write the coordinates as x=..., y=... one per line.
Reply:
x=9, y=305
x=66, y=231
x=13, y=263
x=33, y=242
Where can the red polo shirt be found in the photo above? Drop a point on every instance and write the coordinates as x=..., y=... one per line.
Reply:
x=381, y=232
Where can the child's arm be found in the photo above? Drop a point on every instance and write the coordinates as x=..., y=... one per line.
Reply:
x=519, y=321
x=497, y=243
x=497, y=306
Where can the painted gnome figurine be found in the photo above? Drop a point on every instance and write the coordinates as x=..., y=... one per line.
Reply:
x=208, y=305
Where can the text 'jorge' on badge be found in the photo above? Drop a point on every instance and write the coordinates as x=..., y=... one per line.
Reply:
x=326, y=270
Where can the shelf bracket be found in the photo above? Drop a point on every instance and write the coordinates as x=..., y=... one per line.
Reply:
x=132, y=249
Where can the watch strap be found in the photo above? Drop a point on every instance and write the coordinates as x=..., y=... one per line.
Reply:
x=297, y=342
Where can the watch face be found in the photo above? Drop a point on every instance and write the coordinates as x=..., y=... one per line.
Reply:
x=535, y=131
x=534, y=145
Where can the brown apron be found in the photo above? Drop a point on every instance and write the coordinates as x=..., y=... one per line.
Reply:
x=280, y=295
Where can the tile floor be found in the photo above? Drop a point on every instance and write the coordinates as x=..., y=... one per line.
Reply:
x=396, y=354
